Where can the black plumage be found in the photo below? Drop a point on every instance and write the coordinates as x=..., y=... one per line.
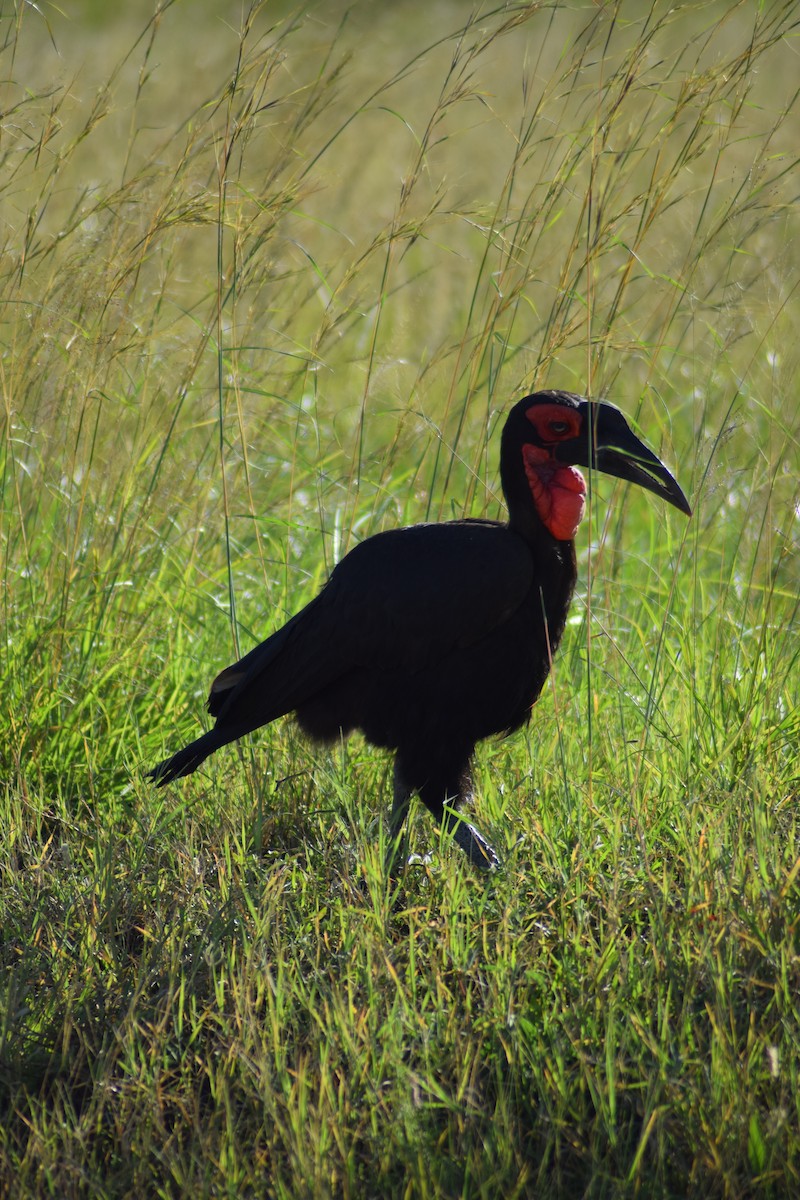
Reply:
x=433, y=637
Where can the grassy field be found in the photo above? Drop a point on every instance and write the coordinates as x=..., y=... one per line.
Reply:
x=270, y=280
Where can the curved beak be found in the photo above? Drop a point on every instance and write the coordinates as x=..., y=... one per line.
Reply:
x=611, y=446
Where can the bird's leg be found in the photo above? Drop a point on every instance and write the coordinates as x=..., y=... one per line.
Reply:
x=443, y=797
x=473, y=843
x=396, y=848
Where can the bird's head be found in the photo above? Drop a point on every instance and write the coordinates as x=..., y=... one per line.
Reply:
x=551, y=434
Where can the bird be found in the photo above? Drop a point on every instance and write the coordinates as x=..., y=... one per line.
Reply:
x=433, y=637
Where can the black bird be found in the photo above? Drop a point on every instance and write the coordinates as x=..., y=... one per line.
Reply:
x=435, y=636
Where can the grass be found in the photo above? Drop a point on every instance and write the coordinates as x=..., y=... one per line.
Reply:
x=269, y=285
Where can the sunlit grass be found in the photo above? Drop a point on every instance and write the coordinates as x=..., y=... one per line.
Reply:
x=270, y=285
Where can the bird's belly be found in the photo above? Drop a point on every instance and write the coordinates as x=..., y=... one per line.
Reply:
x=470, y=694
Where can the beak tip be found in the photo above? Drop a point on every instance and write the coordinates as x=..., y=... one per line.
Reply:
x=683, y=504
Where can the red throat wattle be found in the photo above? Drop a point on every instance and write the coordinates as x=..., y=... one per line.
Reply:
x=559, y=492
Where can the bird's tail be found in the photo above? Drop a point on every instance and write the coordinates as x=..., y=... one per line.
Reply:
x=188, y=759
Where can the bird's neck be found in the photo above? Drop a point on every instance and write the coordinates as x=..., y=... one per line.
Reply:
x=554, y=576
x=555, y=567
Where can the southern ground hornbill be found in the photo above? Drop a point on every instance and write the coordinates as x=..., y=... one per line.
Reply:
x=430, y=638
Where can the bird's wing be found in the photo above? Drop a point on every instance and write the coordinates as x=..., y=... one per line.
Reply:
x=401, y=600
x=279, y=673
x=409, y=596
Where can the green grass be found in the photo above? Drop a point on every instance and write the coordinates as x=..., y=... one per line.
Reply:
x=269, y=284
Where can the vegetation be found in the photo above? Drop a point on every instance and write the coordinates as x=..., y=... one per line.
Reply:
x=269, y=285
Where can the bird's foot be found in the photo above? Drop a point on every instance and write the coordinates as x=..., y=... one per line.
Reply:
x=419, y=860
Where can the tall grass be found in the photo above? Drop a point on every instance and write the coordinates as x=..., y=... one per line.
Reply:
x=269, y=285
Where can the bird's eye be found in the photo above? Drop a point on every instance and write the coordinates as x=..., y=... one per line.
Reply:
x=553, y=423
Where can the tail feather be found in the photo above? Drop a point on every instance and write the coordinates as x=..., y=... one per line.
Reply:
x=187, y=760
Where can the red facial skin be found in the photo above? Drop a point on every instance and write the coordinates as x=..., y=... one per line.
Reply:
x=558, y=491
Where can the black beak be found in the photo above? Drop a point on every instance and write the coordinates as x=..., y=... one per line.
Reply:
x=610, y=445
